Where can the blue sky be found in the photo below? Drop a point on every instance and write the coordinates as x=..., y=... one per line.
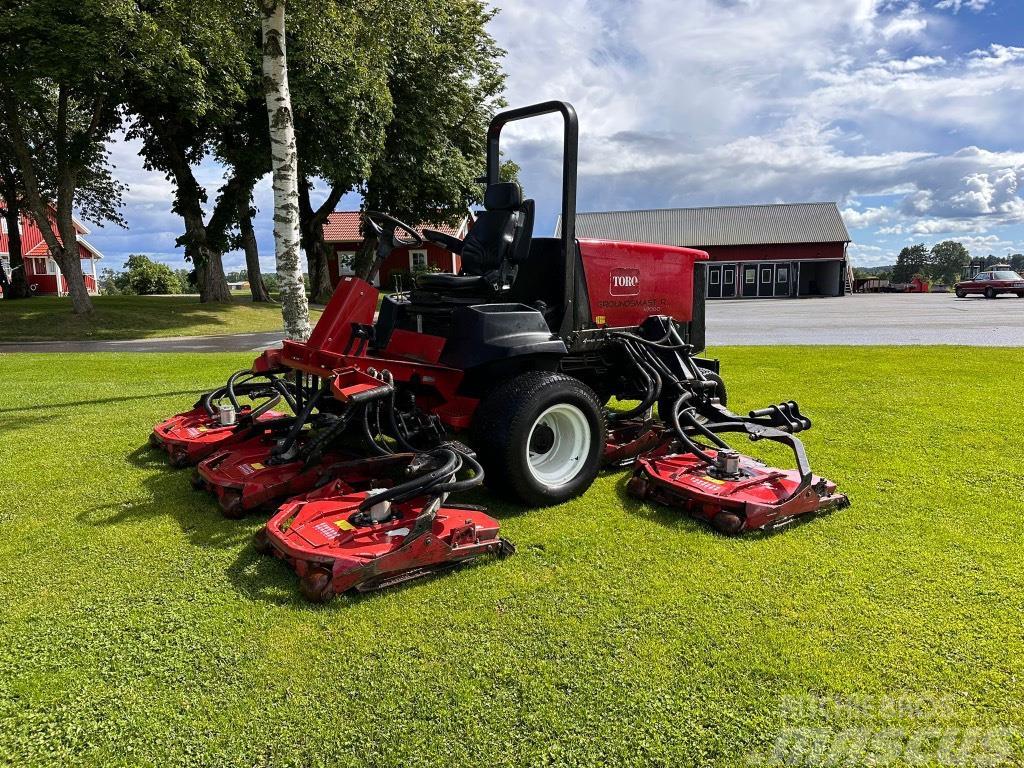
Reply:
x=909, y=114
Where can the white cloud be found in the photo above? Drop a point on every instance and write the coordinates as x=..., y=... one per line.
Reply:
x=956, y=5
x=995, y=56
x=907, y=23
x=708, y=102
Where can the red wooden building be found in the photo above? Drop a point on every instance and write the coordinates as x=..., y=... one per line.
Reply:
x=342, y=233
x=41, y=271
x=757, y=251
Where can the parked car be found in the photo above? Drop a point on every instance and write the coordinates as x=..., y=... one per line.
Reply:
x=990, y=284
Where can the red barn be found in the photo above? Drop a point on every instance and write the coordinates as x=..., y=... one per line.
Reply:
x=757, y=251
x=342, y=233
x=41, y=271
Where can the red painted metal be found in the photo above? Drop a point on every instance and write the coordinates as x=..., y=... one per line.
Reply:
x=776, y=252
x=193, y=435
x=762, y=497
x=420, y=347
x=243, y=479
x=321, y=537
x=628, y=282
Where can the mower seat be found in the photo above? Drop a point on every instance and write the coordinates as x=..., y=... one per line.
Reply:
x=500, y=237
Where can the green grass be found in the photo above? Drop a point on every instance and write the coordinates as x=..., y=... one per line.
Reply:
x=138, y=627
x=49, y=318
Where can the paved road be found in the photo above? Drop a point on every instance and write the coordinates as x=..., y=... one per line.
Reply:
x=238, y=342
x=874, y=318
x=883, y=318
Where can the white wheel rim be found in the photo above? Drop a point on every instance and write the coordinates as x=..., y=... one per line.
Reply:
x=558, y=445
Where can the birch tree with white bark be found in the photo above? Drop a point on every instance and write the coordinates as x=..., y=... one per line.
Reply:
x=284, y=159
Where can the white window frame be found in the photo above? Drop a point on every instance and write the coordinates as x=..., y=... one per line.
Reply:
x=782, y=274
x=715, y=276
x=750, y=276
x=412, y=259
x=344, y=256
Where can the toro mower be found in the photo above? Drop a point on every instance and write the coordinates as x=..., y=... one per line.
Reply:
x=517, y=355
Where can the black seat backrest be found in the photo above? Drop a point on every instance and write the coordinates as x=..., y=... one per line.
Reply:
x=501, y=233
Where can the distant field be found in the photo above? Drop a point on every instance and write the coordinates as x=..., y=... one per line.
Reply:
x=49, y=318
x=139, y=627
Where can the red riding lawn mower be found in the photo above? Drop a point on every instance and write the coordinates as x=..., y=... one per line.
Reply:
x=518, y=356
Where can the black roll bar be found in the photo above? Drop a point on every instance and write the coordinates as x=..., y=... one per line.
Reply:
x=570, y=152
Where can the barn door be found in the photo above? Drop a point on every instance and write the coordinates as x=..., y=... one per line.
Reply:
x=714, y=281
x=728, y=281
x=749, y=280
x=766, y=280
x=782, y=279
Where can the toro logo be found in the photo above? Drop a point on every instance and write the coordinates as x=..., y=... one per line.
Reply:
x=625, y=282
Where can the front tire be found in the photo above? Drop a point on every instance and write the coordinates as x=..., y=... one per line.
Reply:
x=989, y=293
x=540, y=437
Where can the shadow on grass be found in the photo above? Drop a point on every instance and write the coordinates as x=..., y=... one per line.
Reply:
x=26, y=422
x=170, y=494
x=114, y=317
x=103, y=401
x=674, y=517
x=670, y=517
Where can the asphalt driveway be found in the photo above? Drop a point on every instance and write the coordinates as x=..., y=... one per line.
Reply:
x=861, y=319
x=868, y=319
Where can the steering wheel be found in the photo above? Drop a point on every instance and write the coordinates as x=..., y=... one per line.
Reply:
x=375, y=219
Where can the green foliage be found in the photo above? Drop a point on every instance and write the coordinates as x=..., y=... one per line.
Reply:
x=141, y=277
x=141, y=628
x=446, y=83
x=910, y=262
x=946, y=260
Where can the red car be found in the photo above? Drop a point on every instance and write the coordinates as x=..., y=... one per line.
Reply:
x=990, y=284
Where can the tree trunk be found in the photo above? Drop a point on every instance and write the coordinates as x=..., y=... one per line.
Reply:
x=364, y=258
x=17, y=287
x=312, y=223
x=67, y=255
x=213, y=285
x=64, y=254
x=252, y=253
x=284, y=160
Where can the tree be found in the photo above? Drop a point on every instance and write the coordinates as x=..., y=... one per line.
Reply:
x=179, y=111
x=911, y=261
x=946, y=260
x=59, y=103
x=14, y=285
x=1017, y=262
x=446, y=83
x=339, y=130
x=284, y=159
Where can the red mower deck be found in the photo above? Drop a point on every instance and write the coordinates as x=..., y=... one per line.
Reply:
x=190, y=437
x=755, y=497
x=320, y=535
x=244, y=479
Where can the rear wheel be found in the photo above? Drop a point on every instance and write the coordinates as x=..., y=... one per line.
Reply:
x=960, y=293
x=990, y=293
x=540, y=437
x=1020, y=294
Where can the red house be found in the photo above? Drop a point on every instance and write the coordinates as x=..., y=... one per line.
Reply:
x=41, y=271
x=343, y=237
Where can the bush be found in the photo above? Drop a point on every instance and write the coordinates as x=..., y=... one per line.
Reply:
x=142, y=277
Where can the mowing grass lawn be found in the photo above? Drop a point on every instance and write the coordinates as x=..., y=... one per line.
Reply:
x=139, y=627
x=48, y=318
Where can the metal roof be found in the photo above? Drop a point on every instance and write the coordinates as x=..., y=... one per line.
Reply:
x=730, y=225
